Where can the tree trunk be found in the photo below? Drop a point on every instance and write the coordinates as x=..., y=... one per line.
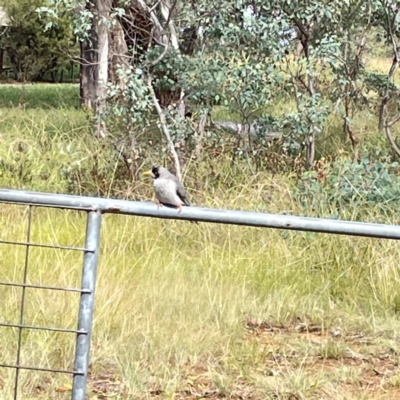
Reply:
x=119, y=55
x=1, y=60
x=89, y=72
x=94, y=62
x=167, y=12
x=104, y=7
x=310, y=150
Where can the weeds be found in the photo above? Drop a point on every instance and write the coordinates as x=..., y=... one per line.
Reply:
x=173, y=300
x=332, y=350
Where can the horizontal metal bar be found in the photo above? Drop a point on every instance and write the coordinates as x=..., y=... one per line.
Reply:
x=61, y=371
x=43, y=328
x=61, y=207
x=63, y=289
x=202, y=214
x=48, y=246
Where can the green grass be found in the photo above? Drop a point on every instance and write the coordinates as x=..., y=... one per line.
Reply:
x=173, y=297
x=184, y=310
x=45, y=96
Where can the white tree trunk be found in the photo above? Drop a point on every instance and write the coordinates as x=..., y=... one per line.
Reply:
x=94, y=62
x=103, y=7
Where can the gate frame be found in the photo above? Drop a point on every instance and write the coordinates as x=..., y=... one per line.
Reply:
x=95, y=207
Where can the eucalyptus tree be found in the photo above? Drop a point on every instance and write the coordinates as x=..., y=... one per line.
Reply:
x=387, y=14
x=173, y=56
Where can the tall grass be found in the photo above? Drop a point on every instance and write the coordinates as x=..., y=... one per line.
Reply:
x=45, y=96
x=173, y=299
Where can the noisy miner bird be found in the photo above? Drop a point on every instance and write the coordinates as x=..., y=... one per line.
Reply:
x=169, y=190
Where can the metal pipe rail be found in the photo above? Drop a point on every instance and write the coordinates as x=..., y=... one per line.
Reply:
x=256, y=219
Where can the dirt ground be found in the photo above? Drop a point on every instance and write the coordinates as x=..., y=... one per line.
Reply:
x=354, y=366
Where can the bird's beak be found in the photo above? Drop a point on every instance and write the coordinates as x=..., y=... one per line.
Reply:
x=147, y=172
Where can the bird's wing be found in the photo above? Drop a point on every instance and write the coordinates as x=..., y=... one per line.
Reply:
x=180, y=190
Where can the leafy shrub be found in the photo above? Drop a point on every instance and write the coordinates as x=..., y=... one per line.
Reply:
x=347, y=185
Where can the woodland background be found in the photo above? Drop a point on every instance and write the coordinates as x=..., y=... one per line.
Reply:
x=273, y=106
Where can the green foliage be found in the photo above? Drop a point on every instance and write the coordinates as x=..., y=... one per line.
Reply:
x=379, y=83
x=129, y=99
x=348, y=186
x=311, y=113
x=243, y=59
x=234, y=79
x=33, y=44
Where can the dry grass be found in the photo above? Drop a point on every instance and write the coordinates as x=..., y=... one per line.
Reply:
x=380, y=65
x=188, y=311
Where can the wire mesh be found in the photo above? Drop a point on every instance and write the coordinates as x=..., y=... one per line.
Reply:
x=79, y=364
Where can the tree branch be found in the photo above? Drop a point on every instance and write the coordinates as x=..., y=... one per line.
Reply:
x=391, y=138
x=153, y=16
x=393, y=67
x=164, y=126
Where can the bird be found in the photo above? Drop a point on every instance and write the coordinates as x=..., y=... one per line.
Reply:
x=169, y=190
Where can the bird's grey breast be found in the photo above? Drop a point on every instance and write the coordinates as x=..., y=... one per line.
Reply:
x=166, y=191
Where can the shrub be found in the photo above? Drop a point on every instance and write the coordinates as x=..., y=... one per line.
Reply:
x=347, y=185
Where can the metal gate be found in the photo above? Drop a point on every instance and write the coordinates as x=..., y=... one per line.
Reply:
x=86, y=304
x=94, y=208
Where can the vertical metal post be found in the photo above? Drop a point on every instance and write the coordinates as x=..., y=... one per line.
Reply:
x=22, y=308
x=86, y=305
